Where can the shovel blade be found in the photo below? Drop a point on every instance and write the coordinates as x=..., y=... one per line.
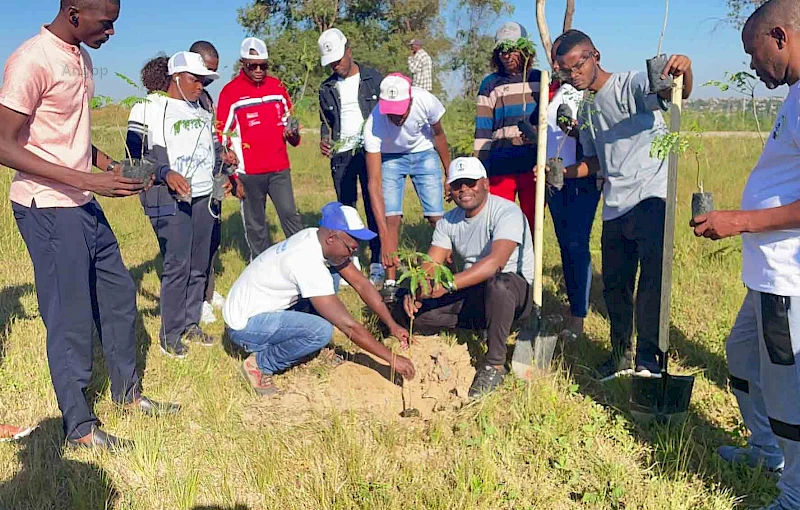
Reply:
x=662, y=400
x=522, y=359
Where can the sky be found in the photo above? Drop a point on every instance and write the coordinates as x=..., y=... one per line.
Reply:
x=625, y=32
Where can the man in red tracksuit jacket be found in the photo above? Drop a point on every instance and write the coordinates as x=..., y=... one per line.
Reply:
x=253, y=118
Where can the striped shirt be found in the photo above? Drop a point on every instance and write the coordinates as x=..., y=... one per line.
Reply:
x=421, y=66
x=503, y=101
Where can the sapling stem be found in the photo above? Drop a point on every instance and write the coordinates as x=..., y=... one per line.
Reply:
x=664, y=28
x=699, y=181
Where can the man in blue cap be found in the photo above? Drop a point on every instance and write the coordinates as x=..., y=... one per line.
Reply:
x=283, y=307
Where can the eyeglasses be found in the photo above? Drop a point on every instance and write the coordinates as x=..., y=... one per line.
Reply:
x=460, y=183
x=257, y=65
x=567, y=72
x=351, y=249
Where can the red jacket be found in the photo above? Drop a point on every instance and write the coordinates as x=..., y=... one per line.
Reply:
x=257, y=113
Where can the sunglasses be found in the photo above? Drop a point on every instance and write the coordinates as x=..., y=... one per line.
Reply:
x=460, y=183
x=257, y=65
x=352, y=249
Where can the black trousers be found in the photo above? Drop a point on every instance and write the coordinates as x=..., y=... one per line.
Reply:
x=493, y=305
x=185, y=242
x=347, y=170
x=81, y=284
x=216, y=239
x=278, y=185
x=634, y=242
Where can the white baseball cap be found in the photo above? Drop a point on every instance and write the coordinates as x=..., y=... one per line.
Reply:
x=332, y=44
x=395, y=95
x=256, y=44
x=510, y=31
x=465, y=168
x=188, y=62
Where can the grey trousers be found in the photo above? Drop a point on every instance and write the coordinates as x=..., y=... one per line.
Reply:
x=278, y=185
x=762, y=351
x=185, y=242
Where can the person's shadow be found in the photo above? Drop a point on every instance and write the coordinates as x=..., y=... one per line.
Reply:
x=48, y=480
x=11, y=310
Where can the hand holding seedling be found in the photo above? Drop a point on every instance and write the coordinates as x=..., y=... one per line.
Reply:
x=292, y=134
x=401, y=333
x=403, y=366
x=238, y=190
x=177, y=183
x=325, y=148
x=676, y=66
x=229, y=158
x=718, y=225
x=112, y=184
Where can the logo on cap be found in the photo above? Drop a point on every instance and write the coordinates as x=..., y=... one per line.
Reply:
x=328, y=47
x=461, y=166
x=392, y=92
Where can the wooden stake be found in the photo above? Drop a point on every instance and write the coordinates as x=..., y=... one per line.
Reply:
x=541, y=162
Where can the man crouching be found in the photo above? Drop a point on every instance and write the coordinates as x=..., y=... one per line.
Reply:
x=494, y=239
x=283, y=307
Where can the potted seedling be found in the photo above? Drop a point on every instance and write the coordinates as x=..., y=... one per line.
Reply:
x=656, y=65
x=139, y=169
x=422, y=274
x=554, y=175
x=680, y=143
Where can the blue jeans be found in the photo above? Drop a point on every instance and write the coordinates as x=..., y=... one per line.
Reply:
x=573, y=209
x=283, y=339
x=425, y=171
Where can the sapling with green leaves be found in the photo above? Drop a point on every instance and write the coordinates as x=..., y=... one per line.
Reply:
x=423, y=274
x=554, y=175
x=744, y=83
x=680, y=143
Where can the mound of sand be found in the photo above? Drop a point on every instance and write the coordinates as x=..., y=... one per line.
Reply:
x=363, y=385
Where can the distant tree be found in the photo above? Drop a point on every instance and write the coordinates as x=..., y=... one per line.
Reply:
x=473, y=47
x=739, y=10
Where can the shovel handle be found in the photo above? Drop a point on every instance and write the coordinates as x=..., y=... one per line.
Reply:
x=669, y=226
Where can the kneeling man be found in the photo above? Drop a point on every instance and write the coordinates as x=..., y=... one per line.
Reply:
x=283, y=307
x=493, y=238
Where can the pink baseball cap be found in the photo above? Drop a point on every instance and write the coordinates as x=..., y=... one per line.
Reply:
x=395, y=94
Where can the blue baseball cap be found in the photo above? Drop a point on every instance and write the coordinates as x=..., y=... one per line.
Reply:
x=336, y=216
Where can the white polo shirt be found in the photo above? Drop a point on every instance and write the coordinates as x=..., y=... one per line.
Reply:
x=771, y=260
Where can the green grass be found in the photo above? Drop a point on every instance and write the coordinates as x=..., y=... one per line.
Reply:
x=562, y=442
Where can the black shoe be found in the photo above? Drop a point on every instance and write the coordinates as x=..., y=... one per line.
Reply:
x=151, y=408
x=97, y=439
x=487, y=379
x=614, y=367
x=174, y=348
x=196, y=335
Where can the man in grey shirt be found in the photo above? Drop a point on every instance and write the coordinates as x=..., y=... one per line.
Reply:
x=493, y=238
x=618, y=127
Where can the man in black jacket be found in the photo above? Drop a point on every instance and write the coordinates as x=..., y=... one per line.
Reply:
x=346, y=99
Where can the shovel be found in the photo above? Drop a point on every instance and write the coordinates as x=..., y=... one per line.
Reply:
x=532, y=349
x=666, y=399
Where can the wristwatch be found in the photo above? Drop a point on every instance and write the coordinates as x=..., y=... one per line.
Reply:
x=452, y=287
x=110, y=167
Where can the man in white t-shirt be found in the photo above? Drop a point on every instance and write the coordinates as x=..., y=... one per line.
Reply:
x=494, y=239
x=346, y=99
x=764, y=344
x=283, y=307
x=404, y=137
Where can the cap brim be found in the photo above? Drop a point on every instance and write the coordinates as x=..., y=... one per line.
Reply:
x=476, y=176
x=393, y=107
x=208, y=74
x=363, y=234
x=327, y=60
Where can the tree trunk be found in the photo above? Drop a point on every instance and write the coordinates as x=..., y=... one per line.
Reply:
x=541, y=21
x=569, y=13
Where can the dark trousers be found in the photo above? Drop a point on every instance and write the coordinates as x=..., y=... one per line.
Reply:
x=492, y=305
x=81, y=282
x=347, y=170
x=185, y=242
x=634, y=241
x=573, y=209
x=278, y=185
x=216, y=239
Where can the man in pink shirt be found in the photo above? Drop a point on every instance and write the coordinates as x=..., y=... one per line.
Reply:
x=81, y=280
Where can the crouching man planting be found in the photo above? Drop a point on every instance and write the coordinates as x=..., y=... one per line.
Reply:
x=494, y=239
x=283, y=307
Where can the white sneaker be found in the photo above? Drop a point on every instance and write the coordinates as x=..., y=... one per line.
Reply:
x=208, y=316
x=376, y=274
x=218, y=300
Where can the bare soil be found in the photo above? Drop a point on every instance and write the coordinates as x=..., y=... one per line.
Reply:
x=364, y=384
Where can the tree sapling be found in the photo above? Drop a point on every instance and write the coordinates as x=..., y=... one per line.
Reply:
x=656, y=65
